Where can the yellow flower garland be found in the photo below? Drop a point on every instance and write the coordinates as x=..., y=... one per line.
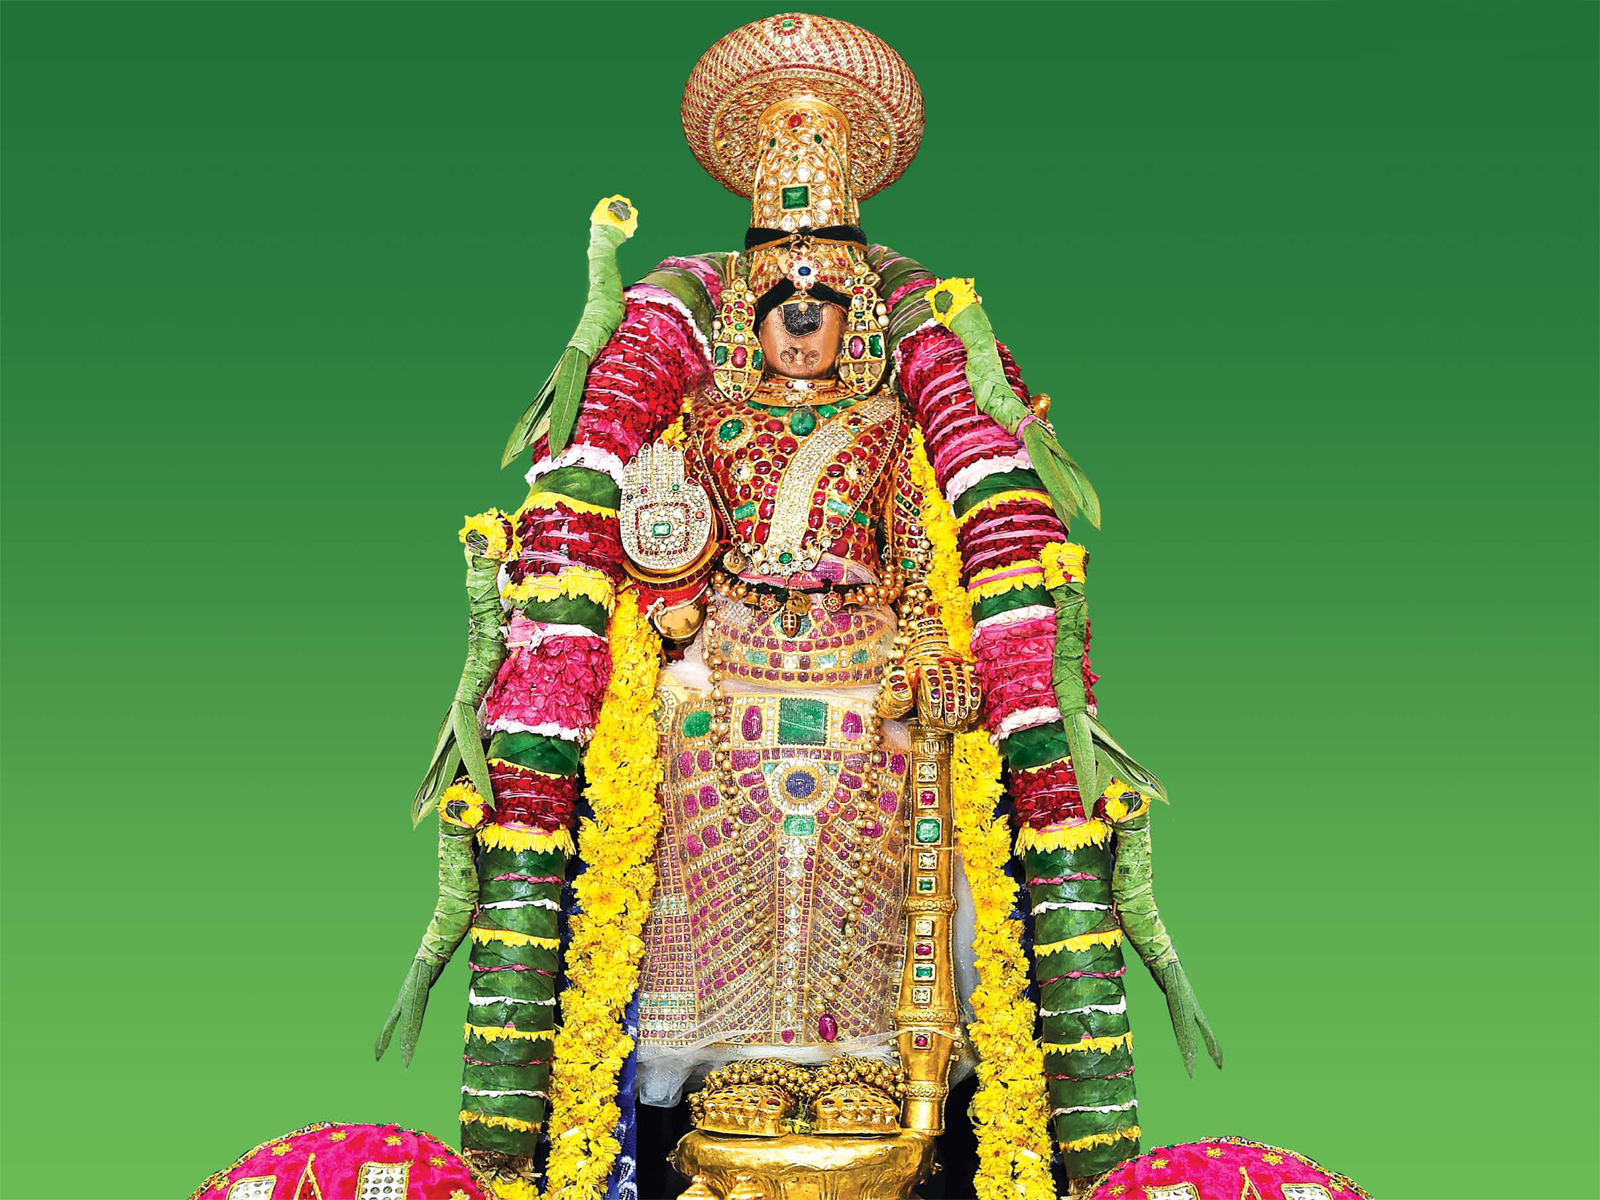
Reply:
x=497, y=531
x=1010, y=1111
x=588, y=583
x=603, y=960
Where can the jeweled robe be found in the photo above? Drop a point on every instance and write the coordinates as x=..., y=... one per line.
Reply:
x=745, y=926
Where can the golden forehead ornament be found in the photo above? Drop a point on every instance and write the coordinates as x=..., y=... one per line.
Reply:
x=758, y=91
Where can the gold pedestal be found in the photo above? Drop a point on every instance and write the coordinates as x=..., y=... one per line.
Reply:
x=800, y=1166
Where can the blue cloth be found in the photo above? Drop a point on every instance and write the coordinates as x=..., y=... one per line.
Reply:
x=624, y=1181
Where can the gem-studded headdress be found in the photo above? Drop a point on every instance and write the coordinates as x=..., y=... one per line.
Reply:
x=784, y=58
x=806, y=116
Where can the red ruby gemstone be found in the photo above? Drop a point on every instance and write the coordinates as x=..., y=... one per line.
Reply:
x=827, y=1027
x=740, y=356
x=857, y=347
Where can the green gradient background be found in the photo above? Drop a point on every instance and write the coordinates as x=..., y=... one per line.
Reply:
x=1314, y=286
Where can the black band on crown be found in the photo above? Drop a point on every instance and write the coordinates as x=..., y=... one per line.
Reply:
x=756, y=238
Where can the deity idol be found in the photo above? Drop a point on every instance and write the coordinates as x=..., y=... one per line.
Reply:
x=796, y=525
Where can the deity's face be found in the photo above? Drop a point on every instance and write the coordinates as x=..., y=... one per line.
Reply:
x=801, y=338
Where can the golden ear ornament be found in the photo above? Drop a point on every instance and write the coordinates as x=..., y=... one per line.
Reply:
x=861, y=358
x=736, y=356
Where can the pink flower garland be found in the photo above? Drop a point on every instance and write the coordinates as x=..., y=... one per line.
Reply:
x=553, y=686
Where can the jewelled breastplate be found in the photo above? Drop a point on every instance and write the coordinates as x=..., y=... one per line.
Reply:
x=796, y=480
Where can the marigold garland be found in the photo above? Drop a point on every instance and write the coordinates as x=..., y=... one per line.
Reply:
x=494, y=1121
x=510, y=937
x=587, y=583
x=495, y=530
x=540, y=501
x=603, y=960
x=1131, y=1134
x=1100, y=1045
x=1092, y=832
x=1010, y=1110
x=1080, y=943
x=495, y=1033
x=461, y=805
x=1064, y=563
x=503, y=837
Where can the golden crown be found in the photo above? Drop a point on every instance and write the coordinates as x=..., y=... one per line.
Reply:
x=805, y=115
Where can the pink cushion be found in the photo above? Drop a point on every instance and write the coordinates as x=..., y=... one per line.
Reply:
x=348, y=1162
x=1226, y=1168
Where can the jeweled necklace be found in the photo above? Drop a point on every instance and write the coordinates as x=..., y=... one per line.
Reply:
x=823, y=1005
x=804, y=405
x=779, y=391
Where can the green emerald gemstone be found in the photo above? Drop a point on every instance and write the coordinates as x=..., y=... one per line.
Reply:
x=875, y=345
x=797, y=197
x=827, y=410
x=922, y=971
x=799, y=826
x=802, y=421
x=802, y=721
x=746, y=509
x=924, y=884
x=817, y=138
x=697, y=724
x=757, y=359
x=719, y=355
x=927, y=829
x=661, y=529
x=786, y=557
x=731, y=428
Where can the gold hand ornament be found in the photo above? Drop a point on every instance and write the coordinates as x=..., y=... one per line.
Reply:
x=948, y=696
x=897, y=694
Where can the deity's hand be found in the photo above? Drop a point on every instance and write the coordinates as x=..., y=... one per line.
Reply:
x=948, y=695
